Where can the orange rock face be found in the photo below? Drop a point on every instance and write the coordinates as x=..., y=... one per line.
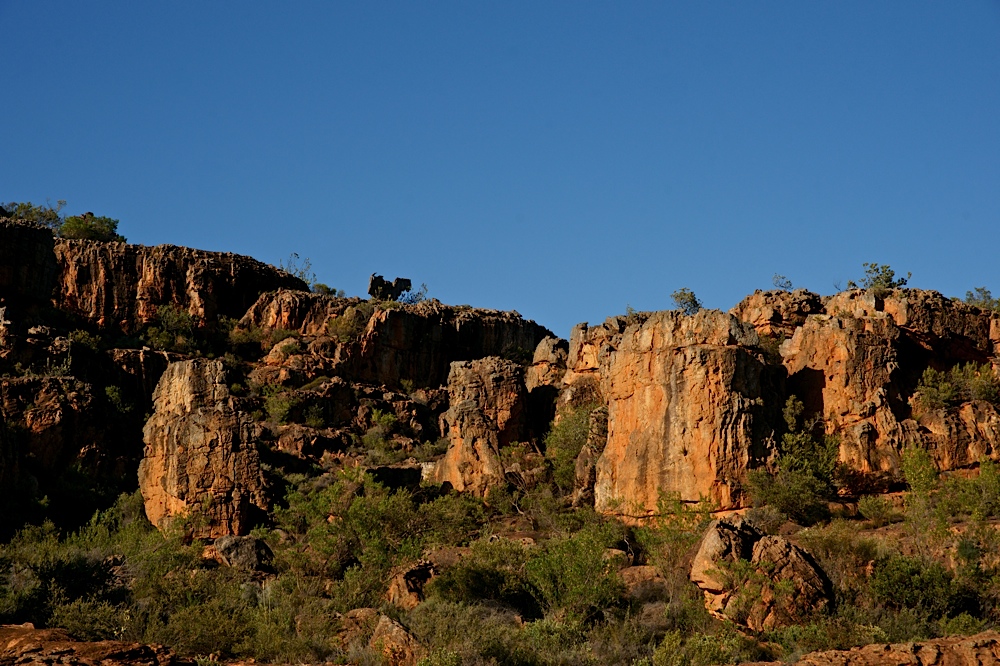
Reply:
x=200, y=456
x=488, y=404
x=683, y=394
x=777, y=313
x=120, y=286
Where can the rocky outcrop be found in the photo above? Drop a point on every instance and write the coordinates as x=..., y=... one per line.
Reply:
x=777, y=313
x=24, y=644
x=200, y=455
x=842, y=370
x=400, y=343
x=246, y=553
x=548, y=364
x=118, y=286
x=406, y=588
x=395, y=644
x=301, y=311
x=488, y=405
x=979, y=650
x=786, y=585
x=683, y=395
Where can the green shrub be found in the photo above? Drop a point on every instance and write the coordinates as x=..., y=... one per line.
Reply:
x=904, y=582
x=572, y=576
x=174, y=330
x=85, y=339
x=982, y=299
x=879, y=279
x=351, y=323
x=962, y=383
x=685, y=301
x=876, y=509
x=563, y=444
x=495, y=571
x=91, y=227
x=45, y=215
x=279, y=403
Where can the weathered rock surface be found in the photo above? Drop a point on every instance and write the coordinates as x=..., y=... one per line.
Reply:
x=684, y=393
x=246, y=553
x=758, y=602
x=979, y=650
x=395, y=644
x=23, y=644
x=200, y=454
x=406, y=589
x=119, y=286
x=412, y=343
x=488, y=409
x=382, y=290
x=301, y=311
x=777, y=313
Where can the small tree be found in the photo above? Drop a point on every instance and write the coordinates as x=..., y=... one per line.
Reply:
x=685, y=301
x=982, y=298
x=91, y=227
x=781, y=282
x=45, y=215
x=879, y=279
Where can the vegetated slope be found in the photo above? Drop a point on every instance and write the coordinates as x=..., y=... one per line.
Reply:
x=286, y=475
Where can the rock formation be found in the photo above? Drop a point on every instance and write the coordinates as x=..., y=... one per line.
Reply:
x=488, y=410
x=777, y=313
x=200, y=458
x=979, y=650
x=758, y=602
x=381, y=289
x=119, y=286
x=683, y=396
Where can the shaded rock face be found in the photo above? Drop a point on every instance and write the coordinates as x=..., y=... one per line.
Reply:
x=246, y=553
x=28, y=268
x=777, y=313
x=586, y=461
x=979, y=650
x=759, y=602
x=119, y=287
x=684, y=395
x=200, y=455
x=488, y=409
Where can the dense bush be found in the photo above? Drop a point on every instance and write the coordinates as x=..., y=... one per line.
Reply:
x=91, y=227
x=961, y=383
x=685, y=301
x=563, y=443
x=879, y=279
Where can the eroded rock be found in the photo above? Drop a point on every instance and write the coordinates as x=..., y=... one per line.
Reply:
x=778, y=584
x=487, y=412
x=200, y=455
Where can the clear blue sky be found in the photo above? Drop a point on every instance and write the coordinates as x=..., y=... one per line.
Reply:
x=561, y=159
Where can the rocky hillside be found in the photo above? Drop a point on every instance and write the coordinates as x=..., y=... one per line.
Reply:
x=194, y=440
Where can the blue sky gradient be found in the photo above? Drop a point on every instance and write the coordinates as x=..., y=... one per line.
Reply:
x=561, y=159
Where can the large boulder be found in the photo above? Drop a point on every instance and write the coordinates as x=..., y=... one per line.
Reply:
x=762, y=582
x=201, y=456
x=684, y=395
x=488, y=411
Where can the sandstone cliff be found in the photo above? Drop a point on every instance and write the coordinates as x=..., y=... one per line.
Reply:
x=201, y=456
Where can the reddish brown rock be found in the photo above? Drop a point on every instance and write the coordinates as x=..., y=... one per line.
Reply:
x=200, y=456
x=683, y=395
x=301, y=311
x=395, y=644
x=119, y=286
x=786, y=585
x=548, y=365
x=777, y=313
x=842, y=368
x=406, y=588
x=23, y=644
x=488, y=410
x=979, y=650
